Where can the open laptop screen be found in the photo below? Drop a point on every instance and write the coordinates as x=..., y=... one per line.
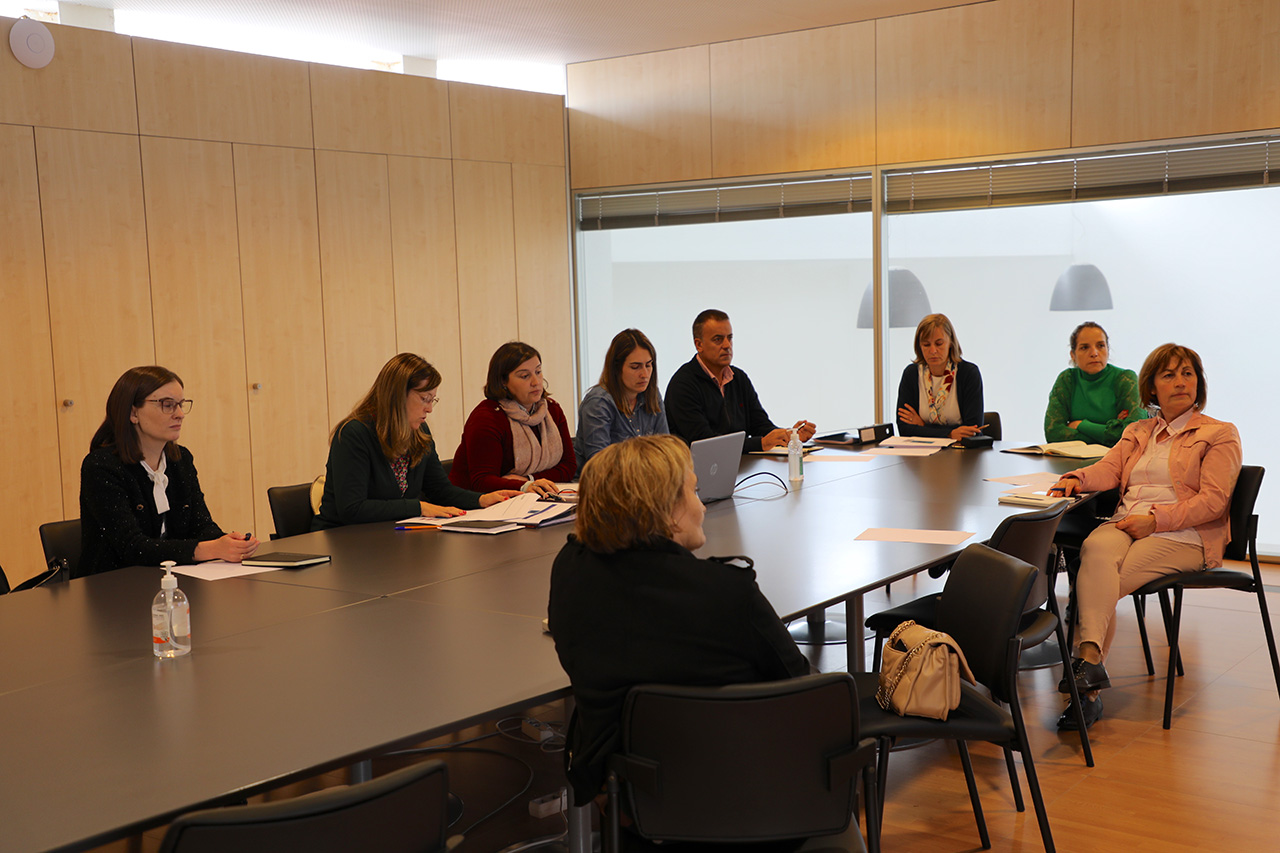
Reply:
x=715, y=463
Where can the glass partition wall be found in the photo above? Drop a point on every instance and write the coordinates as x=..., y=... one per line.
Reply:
x=1196, y=268
x=791, y=288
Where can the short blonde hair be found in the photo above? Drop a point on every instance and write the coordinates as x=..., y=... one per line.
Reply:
x=628, y=491
x=937, y=321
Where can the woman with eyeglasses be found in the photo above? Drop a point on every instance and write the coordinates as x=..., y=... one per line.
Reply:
x=383, y=464
x=140, y=498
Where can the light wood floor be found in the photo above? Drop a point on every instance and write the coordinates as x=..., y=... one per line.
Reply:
x=1210, y=783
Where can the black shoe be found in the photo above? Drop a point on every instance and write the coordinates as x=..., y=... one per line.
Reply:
x=1088, y=676
x=1092, y=713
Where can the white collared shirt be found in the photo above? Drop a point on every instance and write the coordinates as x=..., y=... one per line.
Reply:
x=1150, y=483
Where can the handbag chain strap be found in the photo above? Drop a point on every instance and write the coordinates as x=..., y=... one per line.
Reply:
x=884, y=694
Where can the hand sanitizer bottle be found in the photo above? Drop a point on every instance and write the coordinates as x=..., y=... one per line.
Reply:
x=795, y=458
x=170, y=617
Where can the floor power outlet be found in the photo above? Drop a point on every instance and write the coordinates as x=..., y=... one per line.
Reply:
x=548, y=805
x=536, y=729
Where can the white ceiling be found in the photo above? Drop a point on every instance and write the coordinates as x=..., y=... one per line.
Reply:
x=555, y=32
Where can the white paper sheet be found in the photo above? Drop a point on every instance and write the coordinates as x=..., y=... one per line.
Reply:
x=513, y=509
x=902, y=451
x=216, y=570
x=924, y=537
x=1042, y=479
x=916, y=441
x=517, y=507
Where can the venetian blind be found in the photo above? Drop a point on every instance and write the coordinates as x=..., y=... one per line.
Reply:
x=723, y=203
x=1230, y=164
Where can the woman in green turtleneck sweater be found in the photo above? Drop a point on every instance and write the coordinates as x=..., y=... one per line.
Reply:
x=1093, y=401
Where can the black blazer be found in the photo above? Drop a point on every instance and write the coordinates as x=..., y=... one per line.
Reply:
x=119, y=525
x=359, y=486
x=654, y=615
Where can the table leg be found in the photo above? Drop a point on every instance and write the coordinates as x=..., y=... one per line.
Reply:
x=579, y=817
x=856, y=645
x=816, y=630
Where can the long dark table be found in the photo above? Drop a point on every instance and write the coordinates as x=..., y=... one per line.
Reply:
x=804, y=544
x=402, y=636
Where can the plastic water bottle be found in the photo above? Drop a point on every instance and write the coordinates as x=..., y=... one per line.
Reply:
x=170, y=617
x=795, y=458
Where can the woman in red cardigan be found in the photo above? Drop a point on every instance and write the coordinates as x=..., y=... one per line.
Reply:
x=517, y=438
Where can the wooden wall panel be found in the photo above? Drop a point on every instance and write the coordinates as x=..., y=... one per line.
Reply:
x=544, y=289
x=640, y=119
x=506, y=125
x=99, y=293
x=87, y=86
x=426, y=282
x=487, y=295
x=202, y=93
x=355, y=272
x=189, y=190
x=289, y=418
x=378, y=112
x=794, y=102
x=994, y=78
x=1157, y=69
x=28, y=419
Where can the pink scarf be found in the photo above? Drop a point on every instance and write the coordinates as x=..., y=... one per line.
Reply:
x=532, y=455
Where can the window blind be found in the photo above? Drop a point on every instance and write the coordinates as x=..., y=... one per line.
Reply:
x=1119, y=174
x=724, y=203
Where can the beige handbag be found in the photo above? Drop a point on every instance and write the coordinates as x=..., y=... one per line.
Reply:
x=921, y=672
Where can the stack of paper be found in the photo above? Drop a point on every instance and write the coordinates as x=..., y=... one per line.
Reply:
x=522, y=511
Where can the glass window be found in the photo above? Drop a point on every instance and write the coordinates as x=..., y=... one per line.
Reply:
x=791, y=288
x=1196, y=269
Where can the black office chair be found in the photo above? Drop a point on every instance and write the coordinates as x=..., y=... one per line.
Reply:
x=290, y=509
x=748, y=762
x=992, y=422
x=401, y=812
x=1028, y=536
x=447, y=465
x=1243, y=546
x=61, y=543
x=981, y=607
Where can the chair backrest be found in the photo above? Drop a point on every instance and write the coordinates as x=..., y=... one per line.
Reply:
x=981, y=608
x=992, y=421
x=745, y=762
x=401, y=812
x=61, y=541
x=1029, y=537
x=1242, y=501
x=290, y=509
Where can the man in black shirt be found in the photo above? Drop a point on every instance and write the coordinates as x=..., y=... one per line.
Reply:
x=707, y=396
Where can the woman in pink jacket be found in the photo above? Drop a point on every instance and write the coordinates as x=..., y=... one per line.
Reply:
x=1175, y=472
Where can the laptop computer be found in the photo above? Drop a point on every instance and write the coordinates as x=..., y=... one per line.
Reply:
x=715, y=463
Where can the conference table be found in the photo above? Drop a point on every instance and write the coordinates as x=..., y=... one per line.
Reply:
x=400, y=637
